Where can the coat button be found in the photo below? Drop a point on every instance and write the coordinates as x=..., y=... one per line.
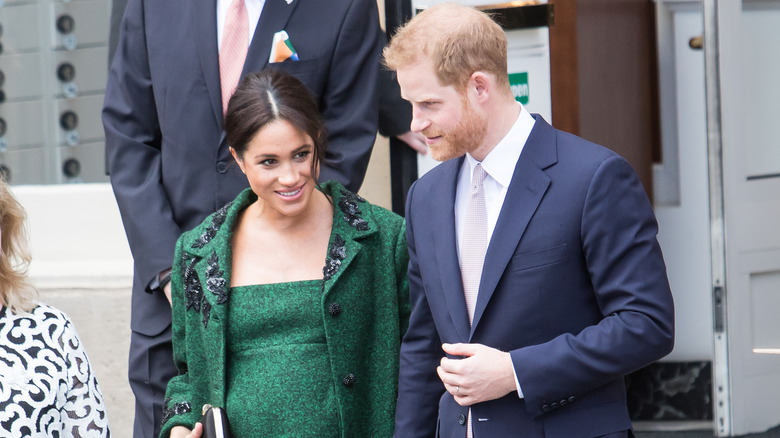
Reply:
x=222, y=167
x=349, y=380
x=563, y=402
x=553, y=405
x=571, y=399
x=334, y=309
x=461, y=419
x=545, y=408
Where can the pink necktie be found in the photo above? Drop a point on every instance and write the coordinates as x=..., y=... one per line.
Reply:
x=235, y=42
x=474, y=248
x=474, y=240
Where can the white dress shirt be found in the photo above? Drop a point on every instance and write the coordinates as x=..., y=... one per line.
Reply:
x=500, y=166
x=253, y=10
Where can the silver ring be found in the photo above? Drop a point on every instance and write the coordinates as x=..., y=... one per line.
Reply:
x=458, y=391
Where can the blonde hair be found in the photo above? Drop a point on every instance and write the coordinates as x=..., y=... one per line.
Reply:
x=460, y=40
x=16, y=293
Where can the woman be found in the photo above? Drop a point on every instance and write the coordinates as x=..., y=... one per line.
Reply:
x=47, y=387
x=287, y=346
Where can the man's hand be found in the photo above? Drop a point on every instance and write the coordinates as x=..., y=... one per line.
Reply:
x=414, y=140
x=484, y=374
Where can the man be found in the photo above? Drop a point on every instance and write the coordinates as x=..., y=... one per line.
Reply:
x=175, y=66
x=535, y=276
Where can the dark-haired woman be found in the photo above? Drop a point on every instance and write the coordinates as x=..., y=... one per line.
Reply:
x=290, y=302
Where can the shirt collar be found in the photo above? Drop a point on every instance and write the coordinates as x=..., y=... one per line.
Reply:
x=500, y=162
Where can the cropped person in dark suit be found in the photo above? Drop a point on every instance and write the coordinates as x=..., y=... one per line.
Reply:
x=562, y=287
x=163, y=115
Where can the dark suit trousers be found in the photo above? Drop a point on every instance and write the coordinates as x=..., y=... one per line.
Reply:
x=150, y=368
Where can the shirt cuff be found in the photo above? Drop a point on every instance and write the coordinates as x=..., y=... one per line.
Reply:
x=517, y=384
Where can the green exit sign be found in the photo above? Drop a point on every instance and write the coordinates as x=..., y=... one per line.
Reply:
x=519, y=84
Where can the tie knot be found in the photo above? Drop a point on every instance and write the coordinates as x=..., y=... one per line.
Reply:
x=479, y=176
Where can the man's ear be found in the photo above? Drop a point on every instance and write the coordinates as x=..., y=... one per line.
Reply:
x=482, y=85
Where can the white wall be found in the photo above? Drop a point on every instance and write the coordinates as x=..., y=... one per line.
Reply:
x=76, y=235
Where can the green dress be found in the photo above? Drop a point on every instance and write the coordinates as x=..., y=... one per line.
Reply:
x=278, y=368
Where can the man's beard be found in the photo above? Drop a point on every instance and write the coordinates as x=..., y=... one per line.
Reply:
x=467, y=135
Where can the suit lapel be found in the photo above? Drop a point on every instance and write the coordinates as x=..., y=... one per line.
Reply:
x=204, y=16
x=445, y=242
x=275, y=15
x=525, y=192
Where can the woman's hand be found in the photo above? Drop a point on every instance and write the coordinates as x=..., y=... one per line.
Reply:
x=183, y=432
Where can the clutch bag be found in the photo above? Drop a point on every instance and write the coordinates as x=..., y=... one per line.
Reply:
x=215, y=423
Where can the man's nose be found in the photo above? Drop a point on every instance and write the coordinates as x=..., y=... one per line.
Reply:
x=418, y=122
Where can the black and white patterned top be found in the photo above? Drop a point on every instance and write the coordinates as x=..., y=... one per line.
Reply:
x=47, y=387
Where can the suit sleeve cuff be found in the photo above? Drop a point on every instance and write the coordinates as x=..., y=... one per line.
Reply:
x=155, y=285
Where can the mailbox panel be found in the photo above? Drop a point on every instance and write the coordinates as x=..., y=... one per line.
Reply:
x=89, y=23
x=85, y=111
x=25, y=166
x=89, y=72
x=23, y=124
x=22, y=76
x=90, y=165
x=21, y=30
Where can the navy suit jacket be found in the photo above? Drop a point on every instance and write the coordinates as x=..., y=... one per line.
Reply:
x=574, y=286
x=170, y=166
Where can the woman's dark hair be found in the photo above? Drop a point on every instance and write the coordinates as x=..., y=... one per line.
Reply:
x=267, y=96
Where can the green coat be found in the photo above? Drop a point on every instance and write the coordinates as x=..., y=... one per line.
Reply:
x=364, y=307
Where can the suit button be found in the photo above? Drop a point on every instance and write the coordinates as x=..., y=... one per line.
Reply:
x=222, y=167
x=571, y=399
x=334, y=309
x=349, y=380
x=461, y=419
x=545, y=408
x=562, y=402
x=553, y=405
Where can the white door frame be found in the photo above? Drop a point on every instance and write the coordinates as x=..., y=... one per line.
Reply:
x=740, y=41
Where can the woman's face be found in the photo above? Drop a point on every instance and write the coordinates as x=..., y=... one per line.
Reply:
x=277, y=163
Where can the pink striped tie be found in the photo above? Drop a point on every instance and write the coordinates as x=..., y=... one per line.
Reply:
x=232, y=54
x=474, y=248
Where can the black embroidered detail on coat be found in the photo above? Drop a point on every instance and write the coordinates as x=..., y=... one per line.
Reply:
x=336, y=254
x=349, y=205
x=177, y=409
x=193, y=291
x=206, y=311
x=216, y=222
x=214, y=281
x=183, y=261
